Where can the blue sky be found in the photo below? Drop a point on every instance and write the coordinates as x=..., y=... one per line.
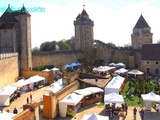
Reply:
x=113, y=19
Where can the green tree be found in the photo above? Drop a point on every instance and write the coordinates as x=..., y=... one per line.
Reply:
x=35, y=49
x=63, y=46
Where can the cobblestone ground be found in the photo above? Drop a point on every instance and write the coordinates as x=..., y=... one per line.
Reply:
x=37, y=96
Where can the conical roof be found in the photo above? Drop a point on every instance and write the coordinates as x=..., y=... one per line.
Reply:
x=84, y=12
x=141, y=23
x=8, y=16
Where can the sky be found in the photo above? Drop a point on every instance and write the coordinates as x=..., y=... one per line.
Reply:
x=114, y=20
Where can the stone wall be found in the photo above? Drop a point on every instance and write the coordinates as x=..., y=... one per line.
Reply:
x=9, y=72
x=58, y=59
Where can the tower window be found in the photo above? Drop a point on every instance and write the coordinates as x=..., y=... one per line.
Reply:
x=147, y=62
x=156, y=62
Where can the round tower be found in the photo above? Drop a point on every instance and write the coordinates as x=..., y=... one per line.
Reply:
x=25, y=39
x=83, y=31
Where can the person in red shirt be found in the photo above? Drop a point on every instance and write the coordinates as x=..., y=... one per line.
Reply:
x=31, y=97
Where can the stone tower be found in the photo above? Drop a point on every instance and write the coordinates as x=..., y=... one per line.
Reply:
x=141, y=34
x=15, y=35
x=83, y=31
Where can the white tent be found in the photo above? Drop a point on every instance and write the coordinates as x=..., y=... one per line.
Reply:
x=114, y=85
x=35, y=78
x=20, y=83
x=113, y=98
x=6, y=116
x=55, y=87
x=121, y=71
x=94, y=116
x=135, y=72
x=88, y=91
x=5, y=94
x=71, y=99
x=46, y=70
x=151, y=97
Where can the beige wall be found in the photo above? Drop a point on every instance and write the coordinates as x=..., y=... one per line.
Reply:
x=151, y=64
x=8, y=69
x=58, y=59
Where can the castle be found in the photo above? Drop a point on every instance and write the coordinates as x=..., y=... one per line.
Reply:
x=15, y=38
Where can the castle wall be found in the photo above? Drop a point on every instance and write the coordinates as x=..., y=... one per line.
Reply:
x=58, y=59
x=9, y=72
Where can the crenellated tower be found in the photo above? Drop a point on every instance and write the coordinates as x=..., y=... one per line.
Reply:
x=141, y=34
x=83, y=31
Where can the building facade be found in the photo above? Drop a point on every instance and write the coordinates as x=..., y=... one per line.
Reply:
x=141, y=34
x=15, y=35
x=83, y=31
x=150, y=60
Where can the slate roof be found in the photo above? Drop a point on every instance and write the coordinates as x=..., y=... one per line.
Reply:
x=9, y=14
x=7, y=25
x=141, y=23
x=84, y=12
x=150, y=52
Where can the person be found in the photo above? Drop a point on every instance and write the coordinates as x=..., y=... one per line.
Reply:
x=111, y=114
x=122, y=107
x=126, y=108
x=31, y=97
x=27, y=100
x=15, y=111
x=142, y=114
x=134, y=112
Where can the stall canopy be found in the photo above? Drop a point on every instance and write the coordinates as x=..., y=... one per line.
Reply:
x=121, y=71
x=88, y=91
x=6, y=116
x=113, y=98
x=46, y=70
x=20, y=83
x=71, y=99
x=114, y=85
x=36, y=78
x=94, y=116
x=56, y=86
x=151, y=97
x=5, y=94
x=135, y=72
x=103, y=68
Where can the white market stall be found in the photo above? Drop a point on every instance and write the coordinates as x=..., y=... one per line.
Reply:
x=91, y=95
x=150, y=97
x=6, y=94
x=54, y=87
x=36, y=81
x=6, y=116
x=121, y=71
x=94, y=116
x=135, y=72
x=114, y=85
x=69, y=104
x=113, y=98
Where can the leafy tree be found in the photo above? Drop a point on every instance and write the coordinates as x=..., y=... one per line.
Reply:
x=63, y=46
x=44, y=46
x=35, y=49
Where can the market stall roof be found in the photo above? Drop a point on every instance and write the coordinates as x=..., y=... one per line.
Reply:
x=46, y=70
x=88, y=91
x=113, y=98
x=55, y=69
x=6, y=116
x=20, y=83
x=151, y=97
x=8, y=90
x=121, y=71
x=72, y=99
x=135, y=72
x=35, y=78
x=94, y=116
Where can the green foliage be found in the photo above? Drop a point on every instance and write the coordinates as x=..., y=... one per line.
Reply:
x=63, y=46
x=35, y=49
x=40, y=68
x=48, y=46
